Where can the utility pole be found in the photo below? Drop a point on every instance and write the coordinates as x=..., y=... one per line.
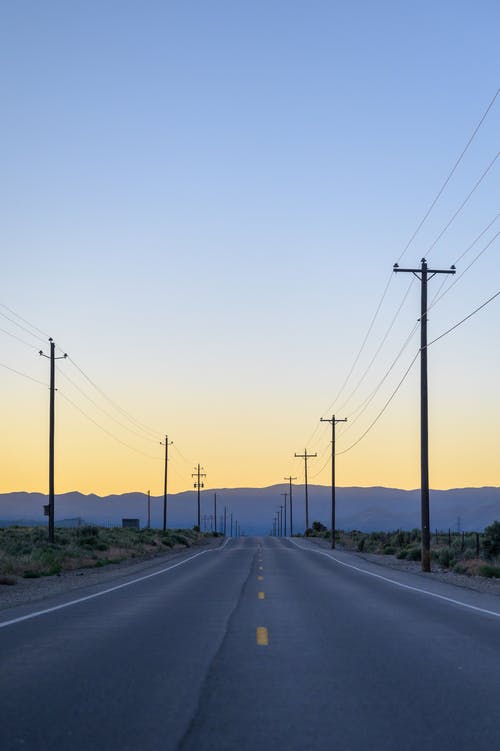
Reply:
x=225, y=519
x=231, y=523
x=215, y=512
x=333, y=420
x=52, y=428
x=284, y=506
x=281, y=520
x=305, y=456
x=198, y=484
x=166, y=444
x=424, y=274
x=291, y=508
x=149, y=509
x=274, y=526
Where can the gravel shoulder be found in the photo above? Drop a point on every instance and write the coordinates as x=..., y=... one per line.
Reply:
x=474, y=583
x=35, y=590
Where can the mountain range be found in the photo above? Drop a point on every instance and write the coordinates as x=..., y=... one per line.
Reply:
x=367, y=509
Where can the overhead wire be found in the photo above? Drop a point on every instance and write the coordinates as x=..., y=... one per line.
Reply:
x=24, y=375
x=462, y=205
x=414, y=235
x=25, y=320
x=455, y=281
x=105, y=430
x=18, y=338
x=449, y=176
x=101, y=409
x=456, y=325
x=379, y=415
x=143, y=426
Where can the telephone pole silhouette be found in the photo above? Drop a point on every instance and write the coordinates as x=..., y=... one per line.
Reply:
x=333, y=420
x=305, y=456
x=149, y=509
x=291, y=507
x=198, y=484
x=52, y=428
x=285, y=496
x=424, y=274
x=215, y=512
x=166, y=444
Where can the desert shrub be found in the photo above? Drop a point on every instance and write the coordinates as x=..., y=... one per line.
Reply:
x=389, y=550
x=446, y=557
x=459, y=568
x=401, y=553
x=361, y=544
x=492, y=572
x=414, y=554
x=491, y=540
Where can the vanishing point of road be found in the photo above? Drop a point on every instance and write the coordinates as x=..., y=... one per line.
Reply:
x=259, y=644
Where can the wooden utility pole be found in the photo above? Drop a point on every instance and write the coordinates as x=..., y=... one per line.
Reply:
x=165, y=480
x=225, y=520
x=291, y=506
x=424, y=274
x=52, y=429
x=284, y=506
x=149, y=509
x=215, y=512
x=333, y=420
x=198, y=484
x=305, y=456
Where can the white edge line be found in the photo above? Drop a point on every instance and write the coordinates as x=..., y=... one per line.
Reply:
x=399, y=584
x=109, y=589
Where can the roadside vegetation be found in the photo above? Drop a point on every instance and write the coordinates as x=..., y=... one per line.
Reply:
x=25, y=551
x=471, y=553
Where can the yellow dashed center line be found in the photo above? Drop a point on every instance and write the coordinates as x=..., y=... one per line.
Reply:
x=262, y=636
x=260, y=578
x=261, y=595
x=261, y=568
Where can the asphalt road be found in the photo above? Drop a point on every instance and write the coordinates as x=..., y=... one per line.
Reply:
x=259, y=645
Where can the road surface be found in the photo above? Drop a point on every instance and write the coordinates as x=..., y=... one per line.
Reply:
x=262, y=644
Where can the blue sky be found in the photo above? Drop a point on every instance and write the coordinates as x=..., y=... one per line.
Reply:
x=202, y=203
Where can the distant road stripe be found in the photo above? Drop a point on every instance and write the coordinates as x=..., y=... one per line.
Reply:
x=260, y=578
x=110, y=589
x=262, y=636
x=399, y=584
x=261, y=595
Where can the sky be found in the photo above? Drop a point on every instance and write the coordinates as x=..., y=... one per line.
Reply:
x=202, y=203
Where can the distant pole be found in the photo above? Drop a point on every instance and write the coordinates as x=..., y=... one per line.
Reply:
x=274, y=526
x=52, y=429
x=333, y=420
x=284, y=506
x=305, y=456
x=198, y=484
x=291, y=506
x=215, y=512
x=281, y=521
x=165, y=481
x=423, y=274
x=231, y=524
x=225, y=519
x=149, y=509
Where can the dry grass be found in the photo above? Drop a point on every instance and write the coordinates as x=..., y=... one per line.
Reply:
x=24, y=551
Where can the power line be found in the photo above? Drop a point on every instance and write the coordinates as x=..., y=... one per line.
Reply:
x=344, y=451
x=104, y=411
x=23, y=328
x=105, y=430
x=28, y=323
x=450, y=175
x=384, y=339
x=24, y=375
x=456, y=325
x=463, y=204
x=126, y=414
x=457, y=279
x=18, y=338
x=476, y=240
